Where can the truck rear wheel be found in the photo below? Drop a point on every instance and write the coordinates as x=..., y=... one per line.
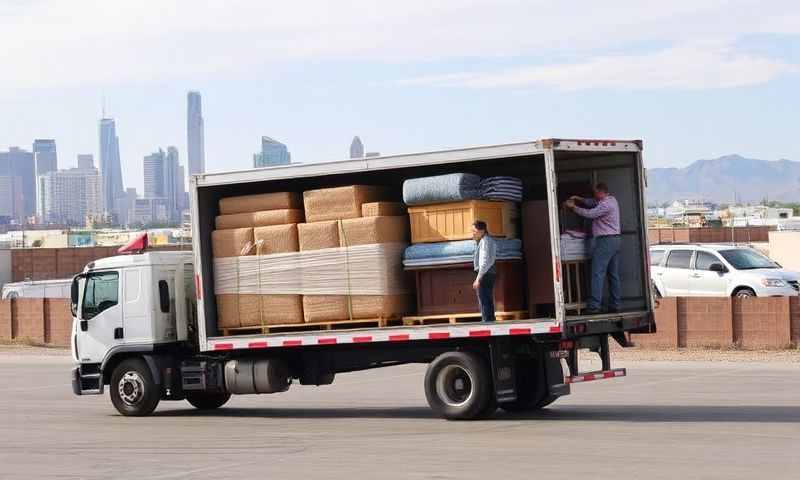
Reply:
x=458, y=386
x=207, y=400
x=133, y=391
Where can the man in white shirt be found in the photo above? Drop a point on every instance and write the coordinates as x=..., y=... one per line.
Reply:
x=483, y=263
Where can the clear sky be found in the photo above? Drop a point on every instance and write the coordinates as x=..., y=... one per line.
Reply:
x=694, y=79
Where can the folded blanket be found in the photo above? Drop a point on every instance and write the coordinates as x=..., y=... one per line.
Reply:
x=501, y=188
x=430, y=262
x=508, y=247
x=453, y=187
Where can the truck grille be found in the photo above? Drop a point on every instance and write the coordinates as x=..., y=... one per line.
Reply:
x=795, y=284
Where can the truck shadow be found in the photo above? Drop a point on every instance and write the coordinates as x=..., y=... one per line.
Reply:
x=575, y=413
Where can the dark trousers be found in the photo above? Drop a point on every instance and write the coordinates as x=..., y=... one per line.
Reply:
x=486, y=297
x=605, y=263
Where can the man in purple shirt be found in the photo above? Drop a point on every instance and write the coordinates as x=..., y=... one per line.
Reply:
x=603, y=210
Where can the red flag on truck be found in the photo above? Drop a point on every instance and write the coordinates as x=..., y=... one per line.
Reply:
x=137, y=245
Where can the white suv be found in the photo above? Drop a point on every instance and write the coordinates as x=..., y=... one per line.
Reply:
x=717, y=271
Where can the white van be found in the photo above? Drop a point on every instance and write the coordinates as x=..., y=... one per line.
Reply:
x=695, y=270
x=39, y=289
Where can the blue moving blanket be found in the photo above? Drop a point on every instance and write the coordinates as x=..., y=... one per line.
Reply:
x=444, y=253
x=453, y=187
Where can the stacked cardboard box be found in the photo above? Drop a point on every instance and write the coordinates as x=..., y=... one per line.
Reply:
x=235, y=309
x=337, y=218
x=261, y=224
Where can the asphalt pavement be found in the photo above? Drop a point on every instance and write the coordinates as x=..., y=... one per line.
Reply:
x=666, y=420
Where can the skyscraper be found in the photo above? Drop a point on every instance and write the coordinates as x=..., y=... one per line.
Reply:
x=17, y=162
x=154, y=174
x=110, y=166
x=272, y=153
x=44, y=156
x=356, y=148
x=195, y=139
x=85, y=160
x=70, y=196
x=163, y=180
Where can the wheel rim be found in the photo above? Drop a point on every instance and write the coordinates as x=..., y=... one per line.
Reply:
x=131, y=388
x=454, y=385
x=744, y=294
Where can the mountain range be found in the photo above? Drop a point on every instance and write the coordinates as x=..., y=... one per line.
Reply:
x=725, y=180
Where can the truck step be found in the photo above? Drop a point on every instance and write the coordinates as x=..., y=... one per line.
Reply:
x=317, y=326
x=592, y=376
x=462, y=318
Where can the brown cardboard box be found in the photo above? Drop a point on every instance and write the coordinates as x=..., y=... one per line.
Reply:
x=369, y=230
x=339, y=203
x=276, y=239
x=272, y=310
x=382, y=209
x=259, y=219
x=315, y=236
x=381, y=306
x=260, y=202
x=232, y=242
x=234, y=310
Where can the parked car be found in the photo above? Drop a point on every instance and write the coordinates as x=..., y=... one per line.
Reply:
x=717, y=271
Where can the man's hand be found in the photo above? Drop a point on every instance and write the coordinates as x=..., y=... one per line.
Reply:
x=576, y=198
x=570, y=203
x=476, y=284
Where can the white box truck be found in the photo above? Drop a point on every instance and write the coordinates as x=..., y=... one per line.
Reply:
x=145, y=325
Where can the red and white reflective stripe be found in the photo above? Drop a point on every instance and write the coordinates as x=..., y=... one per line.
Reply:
x=588, y=377
x=392, y=334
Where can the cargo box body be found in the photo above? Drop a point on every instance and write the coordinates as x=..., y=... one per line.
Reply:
x=371, y=189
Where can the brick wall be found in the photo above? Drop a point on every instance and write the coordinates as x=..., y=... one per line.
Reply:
x=5, y=320
x=708, y=234
x=666, y=335
x=705, y=322
x=58, y=321
x=762, y=322
x=28, y=318
x=794, y=320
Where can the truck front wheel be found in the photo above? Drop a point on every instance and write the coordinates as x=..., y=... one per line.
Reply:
x=458, y=385
x=206, y=400
x=133, y=391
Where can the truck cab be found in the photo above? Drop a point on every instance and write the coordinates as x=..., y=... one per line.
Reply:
x=128, y=304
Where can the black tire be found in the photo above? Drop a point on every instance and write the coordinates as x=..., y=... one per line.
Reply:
x=133, y=391
x=458, y=386
x=532, y=387
x=206, y=400
x=744, y=293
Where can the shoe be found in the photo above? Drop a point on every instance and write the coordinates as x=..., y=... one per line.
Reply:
x=613, y=310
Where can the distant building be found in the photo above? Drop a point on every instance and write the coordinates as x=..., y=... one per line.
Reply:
x=195, y=136
x=110, y=167
x=272, y=153
x=45, y=156
x=85, y=160
x=11, y=202
x=163, y=179
x=17, y=162
x=71, y=196
x=148, y=210
x=356, y=148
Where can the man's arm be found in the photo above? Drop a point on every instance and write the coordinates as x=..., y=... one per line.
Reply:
x=597, y=211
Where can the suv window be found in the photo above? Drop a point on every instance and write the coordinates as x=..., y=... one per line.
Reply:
x=655, y=257
x=102, y=293
x=704, y=260
x=679, y=259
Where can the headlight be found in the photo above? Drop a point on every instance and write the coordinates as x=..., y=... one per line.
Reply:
x=773, y=282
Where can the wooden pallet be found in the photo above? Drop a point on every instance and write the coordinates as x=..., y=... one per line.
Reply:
x=462, y=318
x=311, y=327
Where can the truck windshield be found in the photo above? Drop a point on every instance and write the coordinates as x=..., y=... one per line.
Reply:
x=747, y=259
x=102, y=292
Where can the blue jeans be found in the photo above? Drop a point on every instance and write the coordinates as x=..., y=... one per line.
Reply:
x=486, y=297
x=605, y=262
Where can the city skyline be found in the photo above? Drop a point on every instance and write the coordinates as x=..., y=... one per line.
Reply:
x=110, y=166
x=273, y=153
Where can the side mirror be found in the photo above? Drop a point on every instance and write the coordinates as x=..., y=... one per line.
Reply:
x=73, y=295
x=717, y=267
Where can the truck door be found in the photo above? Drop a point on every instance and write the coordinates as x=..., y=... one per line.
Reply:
x=100, y=316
